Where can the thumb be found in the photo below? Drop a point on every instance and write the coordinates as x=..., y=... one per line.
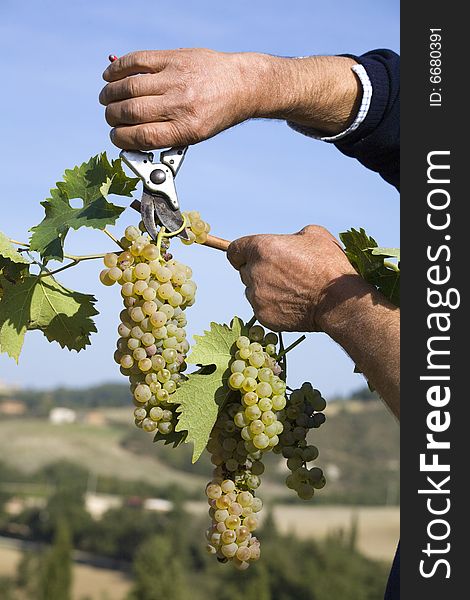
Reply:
x=239, y=251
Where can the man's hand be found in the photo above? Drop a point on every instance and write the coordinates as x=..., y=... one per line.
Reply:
x=304, y=282
x=158, y=99
x=288, y=277
x=180, y=97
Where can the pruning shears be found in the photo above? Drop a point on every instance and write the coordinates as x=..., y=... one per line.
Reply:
x=159, y=205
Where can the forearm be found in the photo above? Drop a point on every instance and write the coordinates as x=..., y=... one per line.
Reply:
x=319, y=92
x=367, y=326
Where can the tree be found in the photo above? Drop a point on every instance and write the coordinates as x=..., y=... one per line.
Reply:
x=258, y=587
x=56, y=573
x=7, y=588
x=158, y=572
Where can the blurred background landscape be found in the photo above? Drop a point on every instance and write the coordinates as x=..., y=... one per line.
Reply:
x=90, y=508
x=87, y=501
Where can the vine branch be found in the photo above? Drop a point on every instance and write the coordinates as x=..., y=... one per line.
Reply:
x=284, y=351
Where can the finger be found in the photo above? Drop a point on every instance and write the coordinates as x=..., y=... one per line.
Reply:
x=250, y=296
x=135, y=111
x=148, y=136
x=134, y=87
x=245, y=275
x=239, y=251
x=144, y=61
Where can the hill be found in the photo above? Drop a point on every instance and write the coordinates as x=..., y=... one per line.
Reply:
x=359, y=447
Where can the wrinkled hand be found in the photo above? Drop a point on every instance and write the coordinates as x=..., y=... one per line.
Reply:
x=158, y=99
x=290, y=278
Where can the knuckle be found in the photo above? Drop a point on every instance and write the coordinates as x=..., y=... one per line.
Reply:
x=262, y=247
x=132, y=86
x=189, y=97
x=177, y=134
x=139, y=58
x=314, y=230
x=145, y=137
x=133, y=111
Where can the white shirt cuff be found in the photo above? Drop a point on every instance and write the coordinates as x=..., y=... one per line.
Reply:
x=360, y=71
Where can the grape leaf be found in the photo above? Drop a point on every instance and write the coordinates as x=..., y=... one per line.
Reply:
x=64, y=316
x=175, y=437
x=357, y=245
x=203, y=394
x=92, y=182
x=369, y=261
x=12, y=264
x=8, y=251
x=387, y=252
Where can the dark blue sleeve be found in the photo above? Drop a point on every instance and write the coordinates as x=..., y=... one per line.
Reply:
x=393, y=585
x=376, y=142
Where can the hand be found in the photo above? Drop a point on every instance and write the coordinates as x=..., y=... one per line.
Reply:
x=185, y=96
x=291, y=280
x=181, y=96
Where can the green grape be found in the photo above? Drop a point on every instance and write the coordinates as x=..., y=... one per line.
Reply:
x=305, y=491
x=237, y=366
x=256, y=333
x=236, y=380
x=261, y=441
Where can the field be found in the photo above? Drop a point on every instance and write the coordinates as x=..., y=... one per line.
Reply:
x=358, y=450
x=378, y=532
x=89, y=582
x=32, y=443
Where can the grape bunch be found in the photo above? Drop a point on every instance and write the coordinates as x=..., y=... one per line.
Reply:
x=246, y=428
x=258, y=415
x=233, y=513
x=304, y=412
x=196, y=228
x=152, y=346
x=255, y=374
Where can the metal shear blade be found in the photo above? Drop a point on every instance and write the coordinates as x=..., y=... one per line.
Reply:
x=159, y=204
x=154, y=211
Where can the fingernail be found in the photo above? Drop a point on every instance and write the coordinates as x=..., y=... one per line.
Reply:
x=112, y=134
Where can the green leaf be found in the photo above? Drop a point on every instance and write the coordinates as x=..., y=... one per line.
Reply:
x=175, y=438
x=13, y=265
x=369, y=261
x=91, y=182
x=204, y=393
x=8, y=251
x=64, y=316
x=387, y=252
x=15, y=307
x=357, y=245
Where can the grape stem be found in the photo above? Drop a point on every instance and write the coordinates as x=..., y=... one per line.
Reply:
x=283, y=362
x=18, y=243
x=284, y=351
x=110, y=235
x=163, y=233
x=251, y=322
x=76, y=260
x=392, y=266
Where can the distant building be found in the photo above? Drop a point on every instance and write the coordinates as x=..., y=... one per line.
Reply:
x=98, y=504
x=12, y=408
x=95, y=417
x=158, y=504
x=62, y=416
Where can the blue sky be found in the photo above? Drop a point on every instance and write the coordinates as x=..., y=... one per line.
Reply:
x=52, y=54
